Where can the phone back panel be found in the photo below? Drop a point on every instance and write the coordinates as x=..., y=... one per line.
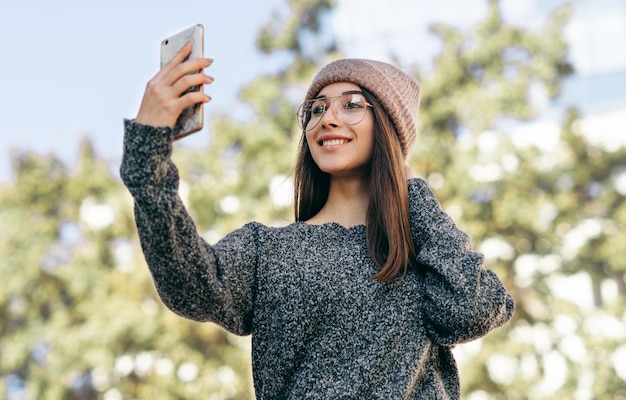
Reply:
x=192, y=118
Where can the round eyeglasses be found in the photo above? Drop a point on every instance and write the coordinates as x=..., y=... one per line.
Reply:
x=349, y=108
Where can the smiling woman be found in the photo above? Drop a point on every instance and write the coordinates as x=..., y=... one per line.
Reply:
x=340, y=132
x=367, y=291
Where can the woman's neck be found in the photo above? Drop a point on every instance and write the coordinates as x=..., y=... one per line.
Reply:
x=346, y=205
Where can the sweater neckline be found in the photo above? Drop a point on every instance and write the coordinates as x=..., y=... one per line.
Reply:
x=335, y=226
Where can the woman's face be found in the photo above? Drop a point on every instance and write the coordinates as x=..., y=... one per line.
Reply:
x=339, y=147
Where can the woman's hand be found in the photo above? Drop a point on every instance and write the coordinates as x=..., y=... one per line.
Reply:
x=162, y=102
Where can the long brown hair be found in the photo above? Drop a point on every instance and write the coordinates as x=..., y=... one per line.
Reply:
x=389, y=240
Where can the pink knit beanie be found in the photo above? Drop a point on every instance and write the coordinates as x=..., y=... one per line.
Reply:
x=398, y=92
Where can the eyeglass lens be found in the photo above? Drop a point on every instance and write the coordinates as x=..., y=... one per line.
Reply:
x=348, y=108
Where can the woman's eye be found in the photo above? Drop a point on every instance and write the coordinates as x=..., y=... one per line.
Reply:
x=318, y=109
x=350, y=105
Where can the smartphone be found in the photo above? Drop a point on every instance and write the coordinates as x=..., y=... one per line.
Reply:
x=191, y=119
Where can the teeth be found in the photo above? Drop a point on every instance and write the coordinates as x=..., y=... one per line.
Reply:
x=334, y=142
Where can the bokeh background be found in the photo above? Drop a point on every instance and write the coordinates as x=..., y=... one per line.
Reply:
x=522, y=136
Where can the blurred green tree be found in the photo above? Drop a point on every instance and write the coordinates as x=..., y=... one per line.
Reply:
x=80, y=317
x=545, y=212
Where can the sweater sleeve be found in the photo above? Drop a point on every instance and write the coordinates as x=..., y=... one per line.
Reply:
x=461, y=300
x=194, y=279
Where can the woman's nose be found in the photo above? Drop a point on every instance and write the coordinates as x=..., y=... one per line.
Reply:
x=329, y=118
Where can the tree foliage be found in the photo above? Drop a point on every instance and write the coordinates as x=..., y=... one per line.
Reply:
x=546, y=216
x=80, y=316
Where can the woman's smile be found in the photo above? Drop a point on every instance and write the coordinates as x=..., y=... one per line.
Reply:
x=333, y=142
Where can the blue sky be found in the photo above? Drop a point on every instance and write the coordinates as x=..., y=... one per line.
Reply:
x=74, y=68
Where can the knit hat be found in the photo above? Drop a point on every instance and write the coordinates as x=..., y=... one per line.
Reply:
x=398, y=92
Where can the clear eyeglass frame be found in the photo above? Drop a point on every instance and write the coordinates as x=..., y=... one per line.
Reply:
x=349, y=108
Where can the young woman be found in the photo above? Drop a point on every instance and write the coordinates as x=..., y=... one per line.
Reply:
x=363, y=296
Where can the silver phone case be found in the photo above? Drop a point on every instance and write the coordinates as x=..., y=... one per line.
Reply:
x=191, y=118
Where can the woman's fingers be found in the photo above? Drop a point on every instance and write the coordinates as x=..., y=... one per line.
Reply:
x=178, y=67
x=164, y=110
x=180, y=56
x=185, y=68
x=162, y=102
x=165, y=73
x=191, y=98
x=190, y=80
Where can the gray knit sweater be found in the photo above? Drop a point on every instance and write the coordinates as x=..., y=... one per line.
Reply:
x=321, y=327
